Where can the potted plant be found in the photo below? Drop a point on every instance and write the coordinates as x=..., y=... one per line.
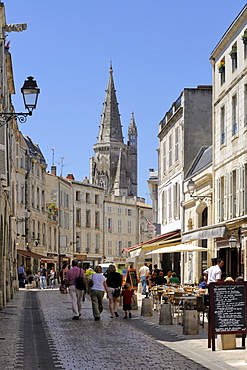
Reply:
x=221, y=67
x=244, y=37
x=233, y=53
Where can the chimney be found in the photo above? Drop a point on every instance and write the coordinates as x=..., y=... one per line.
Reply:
x=70, y=176
x=54, y=170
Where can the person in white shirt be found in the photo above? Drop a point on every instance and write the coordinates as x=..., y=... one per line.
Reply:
x=214, y=273
x=143, y=276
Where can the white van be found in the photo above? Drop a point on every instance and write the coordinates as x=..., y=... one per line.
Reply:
x=105, y=266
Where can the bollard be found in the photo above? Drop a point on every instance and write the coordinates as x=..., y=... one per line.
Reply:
x=147, y=306
x=165, y=314
x=134, y=303
x=190, y=322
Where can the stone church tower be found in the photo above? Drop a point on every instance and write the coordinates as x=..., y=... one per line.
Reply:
x=114, y=165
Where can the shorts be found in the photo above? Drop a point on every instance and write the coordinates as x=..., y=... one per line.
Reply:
x=126, y=307
x=110, y=294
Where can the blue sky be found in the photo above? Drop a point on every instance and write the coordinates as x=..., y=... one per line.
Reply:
x=157, y=48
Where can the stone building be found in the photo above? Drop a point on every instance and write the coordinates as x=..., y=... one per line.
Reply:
x=184, y=129
x=229, y=66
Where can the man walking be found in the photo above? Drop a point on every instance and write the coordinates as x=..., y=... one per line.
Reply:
x=75, y=294
x=143, y=275
x=21, y=272
x=42, y=276
x=214, y=273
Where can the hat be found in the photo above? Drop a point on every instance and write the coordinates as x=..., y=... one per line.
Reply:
x=229, y=279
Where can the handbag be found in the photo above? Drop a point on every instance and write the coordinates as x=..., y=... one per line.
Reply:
x=116, y=293
x=63, y=289
x=79, y=283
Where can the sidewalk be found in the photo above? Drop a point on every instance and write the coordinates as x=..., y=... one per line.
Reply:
x=195, y=347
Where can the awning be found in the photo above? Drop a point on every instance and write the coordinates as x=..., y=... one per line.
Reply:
x=168, y=239
x=26, y=253
x=179, y=248
x=205, y=232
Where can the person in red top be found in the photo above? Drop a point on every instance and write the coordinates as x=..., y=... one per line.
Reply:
x=127, y=295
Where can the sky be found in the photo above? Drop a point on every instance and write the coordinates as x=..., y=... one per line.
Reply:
x=156, y=47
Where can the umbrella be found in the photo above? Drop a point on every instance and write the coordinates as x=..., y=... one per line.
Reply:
x=179, y=248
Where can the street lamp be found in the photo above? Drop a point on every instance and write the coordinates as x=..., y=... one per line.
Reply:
x=232, y=241
x=191, y=186
x=30, y=92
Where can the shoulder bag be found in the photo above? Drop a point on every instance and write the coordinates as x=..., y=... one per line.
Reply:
x=79, y=283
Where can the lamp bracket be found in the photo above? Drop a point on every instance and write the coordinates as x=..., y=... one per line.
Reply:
x=6, y=117
x=202, y=197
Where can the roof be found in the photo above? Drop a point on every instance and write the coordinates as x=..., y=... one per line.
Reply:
x=201, y=162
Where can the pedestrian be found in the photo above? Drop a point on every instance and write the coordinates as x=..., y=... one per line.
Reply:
x=144, y=276
x=21, y=272
x=52, y=277
x=113, y=282
x=97, y=291
x=214, y=273
x=64, y=269
x=127, y=295
x=75, y=294
x=42, y=276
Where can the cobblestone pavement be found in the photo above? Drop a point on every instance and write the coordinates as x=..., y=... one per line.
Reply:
x=36, y=332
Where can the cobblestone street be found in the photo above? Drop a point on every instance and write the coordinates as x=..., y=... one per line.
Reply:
x=36, y=332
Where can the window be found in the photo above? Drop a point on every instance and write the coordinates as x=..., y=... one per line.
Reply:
x=97, y=243
x=22, y=194
x=50, y=248
x=87, y=198
x=176, y=198
x=234, y=115
x=234, y=56
x=32, y=196
x=234, y=193
x=96, y=199
x=96, y=220
x=109, y=209
x=176, y=144
x=44, y=234
x=119, y=224
x=77, y=196
x=55, y=240
x=109, y=245
x=245, y=104
x=222, y=125
x=170, y=150
x=129, y=227
x=170, y=204
x=66, y=220
x=78, y=217
x=109, y=225
x=22, y=162
x=88, y=218
x=164, y=157
x=88, y=243
x=119, y=247
x=129, y=213
x=164, y=209
x=43, y=200
x=119, y=211
x=78, y=243
x=37, y=198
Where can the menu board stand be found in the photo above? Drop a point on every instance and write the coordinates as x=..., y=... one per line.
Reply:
x=131, y=278
x=227, y=310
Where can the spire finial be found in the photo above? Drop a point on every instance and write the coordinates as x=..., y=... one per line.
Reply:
x=111, y=70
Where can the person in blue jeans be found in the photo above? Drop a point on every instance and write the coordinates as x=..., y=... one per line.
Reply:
x=143, y=276
x=42, y=276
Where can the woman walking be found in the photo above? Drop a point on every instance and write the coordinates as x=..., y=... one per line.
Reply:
x=113, y=281
x=97, y=291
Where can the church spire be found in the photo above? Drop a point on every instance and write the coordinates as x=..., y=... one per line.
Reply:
x=132, y=131
x=110, y=126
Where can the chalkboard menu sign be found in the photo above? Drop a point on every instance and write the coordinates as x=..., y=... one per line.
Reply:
x=227, y=310
x=131, y=278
